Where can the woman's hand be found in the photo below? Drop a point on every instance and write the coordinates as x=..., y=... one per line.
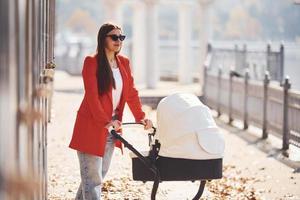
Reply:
x=147, y=124
x=116, y=124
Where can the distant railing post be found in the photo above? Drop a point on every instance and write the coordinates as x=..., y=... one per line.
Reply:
x=219, y=91
x=265, y=105
x=268, y=57
x=204, y=83
x=246, y=81
x=281, y=70
x=209, y=49
x=244, y=61
x=230, y=97
x=236, y=56
x=285, y=127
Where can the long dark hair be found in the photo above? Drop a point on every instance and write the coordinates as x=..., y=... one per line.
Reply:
x=104, y=73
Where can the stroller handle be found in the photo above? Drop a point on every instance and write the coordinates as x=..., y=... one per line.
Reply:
x=150, y=135
x=130, y=147
x=139, y=123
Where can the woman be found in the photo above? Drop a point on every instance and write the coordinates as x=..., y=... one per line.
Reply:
x=108, y=86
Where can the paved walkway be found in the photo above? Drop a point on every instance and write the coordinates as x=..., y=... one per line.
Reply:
x=252, y=169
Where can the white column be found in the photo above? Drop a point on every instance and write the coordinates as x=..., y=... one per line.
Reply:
x=139, y=43
x=113, y=11
x=185, y=49
x=152, y=70
x=204, y=32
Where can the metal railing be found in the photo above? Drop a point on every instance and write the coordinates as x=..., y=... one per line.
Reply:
x=262, y=103
x=257, y=61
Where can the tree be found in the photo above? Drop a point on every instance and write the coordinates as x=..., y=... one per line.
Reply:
x=80, y=21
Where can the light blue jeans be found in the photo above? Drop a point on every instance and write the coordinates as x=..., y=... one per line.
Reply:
x=93, y=170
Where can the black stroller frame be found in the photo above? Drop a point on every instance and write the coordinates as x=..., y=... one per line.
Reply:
x=152, y=165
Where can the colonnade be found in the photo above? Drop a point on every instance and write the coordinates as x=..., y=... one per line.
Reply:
x=145, y=33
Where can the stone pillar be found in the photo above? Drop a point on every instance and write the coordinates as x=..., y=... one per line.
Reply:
x=138, y=62
x=151, y=35
x=113, y=11
x=185, y=49
x=204, y=32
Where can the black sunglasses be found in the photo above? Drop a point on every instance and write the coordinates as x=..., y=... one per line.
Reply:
x=115, y=37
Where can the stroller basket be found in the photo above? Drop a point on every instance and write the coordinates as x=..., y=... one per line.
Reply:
x=176, y=169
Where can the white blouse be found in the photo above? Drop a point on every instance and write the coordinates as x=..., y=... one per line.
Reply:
x=116, y=93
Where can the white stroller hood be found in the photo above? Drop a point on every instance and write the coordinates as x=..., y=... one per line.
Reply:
x=186, y=129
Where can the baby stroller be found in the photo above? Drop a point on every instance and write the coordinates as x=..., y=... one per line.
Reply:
x=186, y=146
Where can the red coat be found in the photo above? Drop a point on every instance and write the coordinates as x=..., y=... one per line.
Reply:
x=89, y=134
